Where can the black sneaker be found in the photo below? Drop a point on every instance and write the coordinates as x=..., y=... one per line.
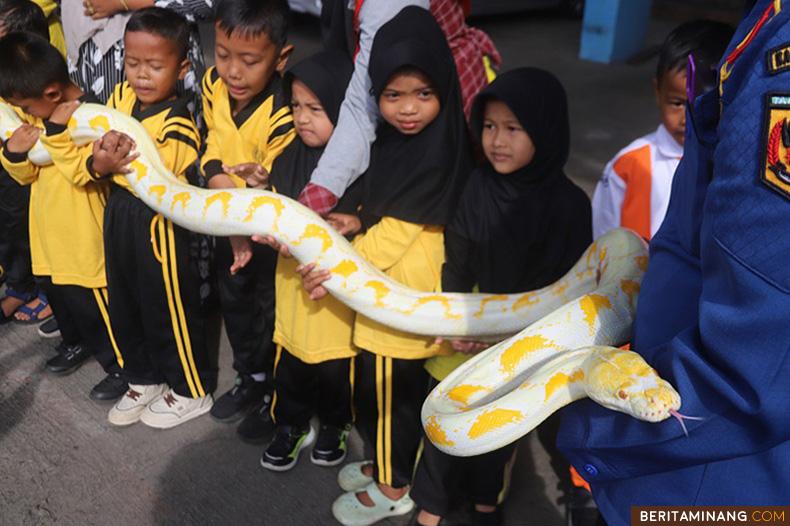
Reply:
x=257, y=427
x=330, y=448
x=49, y=329
x=283, y=452
x=68, y=360
x=111, y=388
x=234, y=404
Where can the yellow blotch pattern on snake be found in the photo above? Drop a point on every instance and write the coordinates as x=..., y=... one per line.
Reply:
x=592, y=311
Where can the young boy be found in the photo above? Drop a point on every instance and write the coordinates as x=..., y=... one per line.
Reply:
x=66, y=206
x=249, y=123
x=314, y=364
x=634, y=190
x=155, y=300
x=22, y=300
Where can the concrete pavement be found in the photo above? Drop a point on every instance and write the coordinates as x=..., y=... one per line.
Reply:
x=62, y=463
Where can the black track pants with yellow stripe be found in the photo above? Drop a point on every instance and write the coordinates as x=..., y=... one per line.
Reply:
x=306, y=389
x=388, y=396
x=154, y=299
x=83, y=319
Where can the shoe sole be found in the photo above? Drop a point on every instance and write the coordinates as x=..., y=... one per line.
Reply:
x=328, y=463
x=55, y=334
x=369, y=520
x=101, y=397
x=64, y=372
x=192, y=416
x=235, y=417
x=307, y=442
x=124, y=423
x=258, y=440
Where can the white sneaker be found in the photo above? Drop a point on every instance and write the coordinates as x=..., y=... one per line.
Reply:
x=351, y=477
x=128, y=409
x=173, y=409
x=350, y=512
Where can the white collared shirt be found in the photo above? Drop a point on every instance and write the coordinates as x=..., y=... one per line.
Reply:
x=634, y=189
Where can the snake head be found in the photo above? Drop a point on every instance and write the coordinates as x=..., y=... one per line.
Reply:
x=621, y=380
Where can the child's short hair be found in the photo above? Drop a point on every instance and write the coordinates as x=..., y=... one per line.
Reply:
x=23, y=15
x=706, y=40
x=28, y=64
x=162, y=23
x=253, y=17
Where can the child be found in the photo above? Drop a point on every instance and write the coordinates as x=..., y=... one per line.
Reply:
x=22, y=301
x=419, y=165
x=154, y=296
x=249, y=123
x=634, y=190
x=66, y=206
x=314, y=364
x=521, y=224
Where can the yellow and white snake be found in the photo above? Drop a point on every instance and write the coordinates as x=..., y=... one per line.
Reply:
x=494, y=398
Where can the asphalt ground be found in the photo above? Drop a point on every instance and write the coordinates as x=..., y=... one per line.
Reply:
x=62, y=463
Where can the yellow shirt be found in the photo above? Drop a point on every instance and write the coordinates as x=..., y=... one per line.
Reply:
x=56, y=37
x=410, y=254
x=313, y=331
x=66, y=211
x=258, y=133
x=168, y=123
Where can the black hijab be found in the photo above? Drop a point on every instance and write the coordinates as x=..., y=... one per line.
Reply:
x=327, y=74
x=524, y=230
x=417, y=178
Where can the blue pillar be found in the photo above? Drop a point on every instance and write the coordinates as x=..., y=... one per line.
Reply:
x=614, y=30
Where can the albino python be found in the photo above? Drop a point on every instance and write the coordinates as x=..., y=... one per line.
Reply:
x=495, y=397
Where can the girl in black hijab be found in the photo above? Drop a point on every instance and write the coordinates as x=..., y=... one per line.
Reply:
x=315, y=353
x=419, y=164
x=521, y=225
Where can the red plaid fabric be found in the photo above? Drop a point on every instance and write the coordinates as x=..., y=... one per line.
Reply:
x=318, y=199
x=469, y=45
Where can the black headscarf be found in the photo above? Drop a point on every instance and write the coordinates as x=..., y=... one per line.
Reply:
x=417, y=178
x=524, y=230
x=327, y=74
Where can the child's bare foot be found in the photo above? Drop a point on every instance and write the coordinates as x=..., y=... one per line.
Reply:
x=9, y=305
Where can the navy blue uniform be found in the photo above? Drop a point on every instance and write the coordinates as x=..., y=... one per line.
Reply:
x=714, y=310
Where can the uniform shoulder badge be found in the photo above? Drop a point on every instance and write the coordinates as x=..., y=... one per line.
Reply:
x=775, y=171
x=778, y=59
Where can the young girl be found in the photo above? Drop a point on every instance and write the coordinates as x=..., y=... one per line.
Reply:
x=520, y=225
x=419, y=164
x=313, y=365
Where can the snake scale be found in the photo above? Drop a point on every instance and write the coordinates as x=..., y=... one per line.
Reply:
x=494, y=398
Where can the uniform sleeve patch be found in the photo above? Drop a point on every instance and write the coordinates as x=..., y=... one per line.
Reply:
x=778, y=59
x=775, y=171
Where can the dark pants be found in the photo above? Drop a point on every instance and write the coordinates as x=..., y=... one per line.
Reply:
x=388, y=396
x=303, y=389
x=443, y=481
x=247, y=303
x=15, y=235
x=155, y=299
x=83, y=318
